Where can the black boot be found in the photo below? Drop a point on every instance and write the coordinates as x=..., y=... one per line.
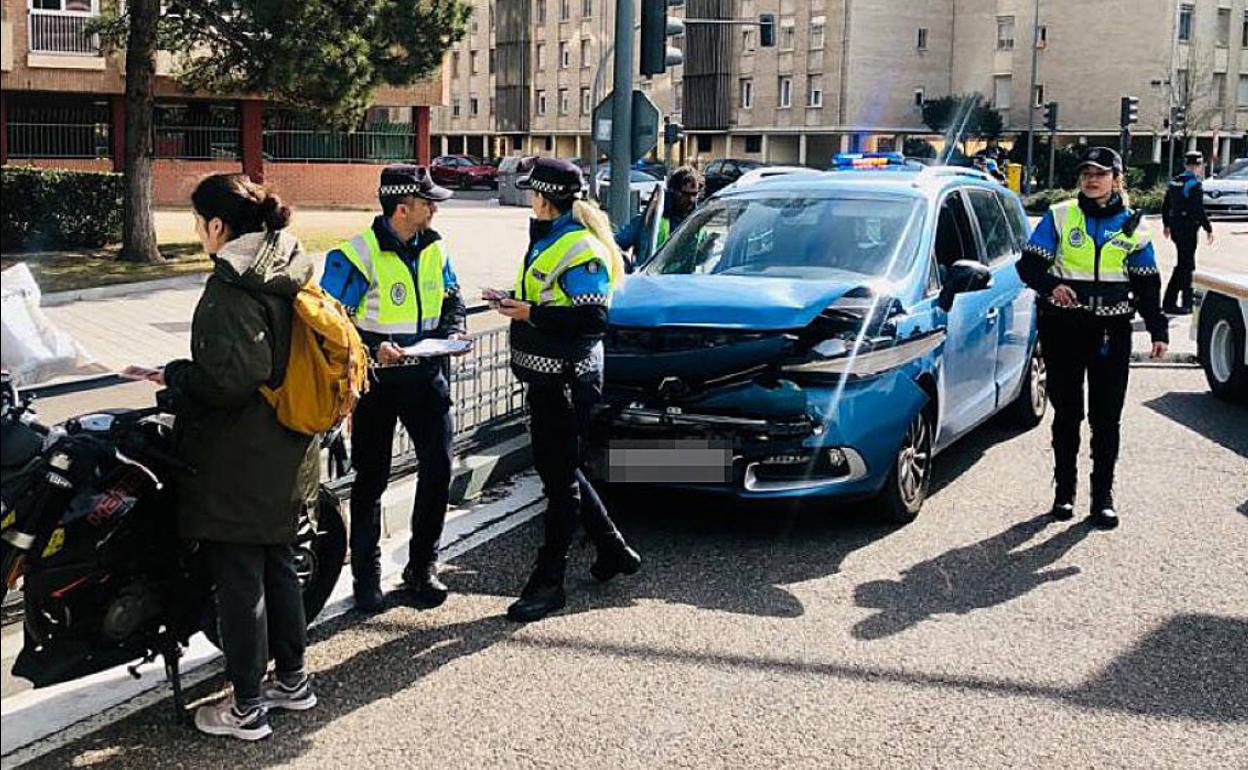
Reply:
x=1063, y=508
x=422, y=586
x=368, y=595
x=615, y=558
x=543, y=593
x=1103, y=514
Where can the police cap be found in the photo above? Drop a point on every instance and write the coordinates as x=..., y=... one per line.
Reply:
x=408, y=179
x=1193, y=158
x=1101, y=157
x=554, y=177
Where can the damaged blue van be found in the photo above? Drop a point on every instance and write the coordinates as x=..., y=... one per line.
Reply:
x=822, y=335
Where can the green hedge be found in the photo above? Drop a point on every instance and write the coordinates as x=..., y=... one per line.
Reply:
x=1149, y=200
x=46, y=209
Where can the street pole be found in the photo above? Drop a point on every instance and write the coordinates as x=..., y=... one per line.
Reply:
x=1174, y=55
x=1052, y=155
x=622, y=114
x=1031, y=99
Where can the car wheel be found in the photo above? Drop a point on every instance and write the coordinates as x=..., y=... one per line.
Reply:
x=1033, y=399
x=1220, y=345
x=911, y=475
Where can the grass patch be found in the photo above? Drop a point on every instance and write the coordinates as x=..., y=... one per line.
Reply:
x=56, y=271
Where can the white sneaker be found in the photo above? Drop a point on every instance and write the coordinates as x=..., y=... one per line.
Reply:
x=224, y=718
x=275, y=695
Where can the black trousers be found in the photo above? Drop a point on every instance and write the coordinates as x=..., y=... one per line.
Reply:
x=422, y=404
x=1077, y=346
x=559, y=415
x=259, y=612
x=1180, y=284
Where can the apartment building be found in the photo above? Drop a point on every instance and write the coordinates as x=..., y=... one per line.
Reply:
x=854, y=74
x=61, y=106
x=523, y=80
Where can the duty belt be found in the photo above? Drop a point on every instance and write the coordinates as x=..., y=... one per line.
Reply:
x=548, y=365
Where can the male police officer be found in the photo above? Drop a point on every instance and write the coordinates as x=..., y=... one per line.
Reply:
x=1183, y=214
x=397, y=278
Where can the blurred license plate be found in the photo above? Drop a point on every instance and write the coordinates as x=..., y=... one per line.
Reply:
x=674, y=461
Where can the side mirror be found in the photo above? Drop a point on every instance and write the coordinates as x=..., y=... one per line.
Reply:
x=964, y=275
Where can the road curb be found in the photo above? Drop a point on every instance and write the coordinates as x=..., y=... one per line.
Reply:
x=118, y=290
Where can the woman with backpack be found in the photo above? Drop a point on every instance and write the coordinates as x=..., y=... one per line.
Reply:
x=252, y=475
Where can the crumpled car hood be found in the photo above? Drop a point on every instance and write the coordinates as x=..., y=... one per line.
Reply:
x=728, y=302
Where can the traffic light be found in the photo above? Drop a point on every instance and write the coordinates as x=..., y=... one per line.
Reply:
x=673, y=133
x=767, y=30
x=656, y=28
x=1130, y=112
x=1050, y=116
x=1178, y=119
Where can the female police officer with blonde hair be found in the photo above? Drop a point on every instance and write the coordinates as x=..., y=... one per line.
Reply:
x=1092, y=265
x=558, y=314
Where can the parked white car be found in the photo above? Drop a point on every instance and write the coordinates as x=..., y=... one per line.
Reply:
x=1227, y=193
x=638, y=182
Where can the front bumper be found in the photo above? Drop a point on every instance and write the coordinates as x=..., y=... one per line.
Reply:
x=842, y=442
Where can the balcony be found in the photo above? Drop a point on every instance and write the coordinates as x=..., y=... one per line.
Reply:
x=62, y=33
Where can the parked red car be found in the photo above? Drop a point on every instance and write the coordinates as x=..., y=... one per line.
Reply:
x=463, y=172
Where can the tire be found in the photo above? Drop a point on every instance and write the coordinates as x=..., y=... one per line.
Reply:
x=1028, y=409
x=1220, y=347
x=911, y=475
x=318, y=562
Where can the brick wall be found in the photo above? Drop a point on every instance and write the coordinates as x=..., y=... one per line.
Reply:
x=325, y=184
x=174, y=180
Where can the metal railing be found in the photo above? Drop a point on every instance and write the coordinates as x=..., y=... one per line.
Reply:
x=62, y=32
x=59, y=140
x=312, y=145
x=196, y=142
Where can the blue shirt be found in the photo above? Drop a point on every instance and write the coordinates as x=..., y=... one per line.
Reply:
x=1046, y=238
x=348, y=285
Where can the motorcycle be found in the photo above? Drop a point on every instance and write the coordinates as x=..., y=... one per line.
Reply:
x=87, y=525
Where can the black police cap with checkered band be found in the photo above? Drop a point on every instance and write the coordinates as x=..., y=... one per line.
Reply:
x=553, y=176
x=408, y=179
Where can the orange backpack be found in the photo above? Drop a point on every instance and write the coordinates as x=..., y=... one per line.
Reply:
x=328, y=367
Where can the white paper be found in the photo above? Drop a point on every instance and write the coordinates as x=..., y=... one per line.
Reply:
x=34, y=349
x=436, y=347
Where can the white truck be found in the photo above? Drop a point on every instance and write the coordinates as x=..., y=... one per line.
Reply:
x=1218, y=327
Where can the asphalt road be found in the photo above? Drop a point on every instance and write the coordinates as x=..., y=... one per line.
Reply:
x=982, y=635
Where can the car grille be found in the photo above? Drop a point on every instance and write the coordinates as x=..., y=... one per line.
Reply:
x=632, y=341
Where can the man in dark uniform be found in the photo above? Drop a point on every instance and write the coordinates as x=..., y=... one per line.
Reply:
x=397, y=278
x=1183, y=214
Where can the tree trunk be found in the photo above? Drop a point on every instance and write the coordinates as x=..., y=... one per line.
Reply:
x=139, y=230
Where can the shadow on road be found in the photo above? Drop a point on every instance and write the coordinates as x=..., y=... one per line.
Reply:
x=1220, y=421
x=984, y=574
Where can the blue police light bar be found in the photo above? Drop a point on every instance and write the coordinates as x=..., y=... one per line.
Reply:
x=868, y=159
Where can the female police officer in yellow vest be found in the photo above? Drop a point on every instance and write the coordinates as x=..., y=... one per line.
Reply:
x=1092, y=265
x=397, y=278
x=558, y=314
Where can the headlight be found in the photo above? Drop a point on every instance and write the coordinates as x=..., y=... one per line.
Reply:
x=835, y=356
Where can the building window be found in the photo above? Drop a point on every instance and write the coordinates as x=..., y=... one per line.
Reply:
x=587, y=103
x=472, y=25
x=587, y=53
x=1242, y=101
x=491, y=57
x=921, y=40
x=747, y=93
x=678, y=97
x=816, y=33
x=454, y=64
x=1042, y=36
x=1001, y=88
x=541, y=12
x=565, y=103
x=1243, y=32
x=747, y=37
x=1038, y=96
x=565, y=10
x=753, y=143
x=1219, y=90
x=788, y=35
x=1224, y=27
x=455, y=107
x=565, y=55
x=1187, y=12
x=474, y=62
x=541, y=56
x=1182, y=82
x=1005, y=33
x=491, y=103
x=814, y=91
x=786, y=92
x=541, y=102
x=587, y=8
x=920, y=98
x=474, y=106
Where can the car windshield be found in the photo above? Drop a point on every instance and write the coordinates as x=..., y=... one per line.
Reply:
x=821, y=237
x=1238, y=170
